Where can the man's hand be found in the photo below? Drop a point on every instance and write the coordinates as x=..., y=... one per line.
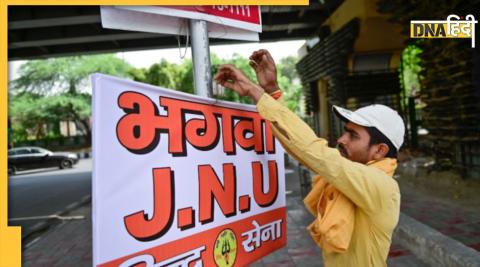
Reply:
x=264, y=65
x=231, y=77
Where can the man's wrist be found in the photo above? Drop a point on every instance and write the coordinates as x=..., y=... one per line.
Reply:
x=276, y=95
x=255, y=93
x=271, y=89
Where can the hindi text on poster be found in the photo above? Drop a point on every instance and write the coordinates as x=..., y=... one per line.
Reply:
x=181, y=180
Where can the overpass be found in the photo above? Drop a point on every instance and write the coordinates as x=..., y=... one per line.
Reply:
x=50, y=31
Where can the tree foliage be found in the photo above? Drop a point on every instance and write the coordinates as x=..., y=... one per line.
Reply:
x=168, y=75
x=410, y=73
x=48, y=92
x=36, y=115
x=66, y=74
x=411, y=64
x=180, y=77
x=289, y=81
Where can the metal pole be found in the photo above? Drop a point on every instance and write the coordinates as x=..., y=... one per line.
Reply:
x=202, y=75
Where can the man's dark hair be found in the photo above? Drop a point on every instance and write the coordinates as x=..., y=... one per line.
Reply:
x=376, y=137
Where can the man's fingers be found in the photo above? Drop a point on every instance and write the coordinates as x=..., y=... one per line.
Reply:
x=262, y=57
x=225, y=67
x=223, y=76
x=254, y=65
x=225, y=71
x=231, y=85
x=217, y=75
x=228, y=68
x=228, y=84
x=225, y=81
x=269, y=57
x=265, y=59
x=256, y=56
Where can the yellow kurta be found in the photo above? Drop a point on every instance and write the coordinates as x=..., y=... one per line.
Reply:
x=375, y=194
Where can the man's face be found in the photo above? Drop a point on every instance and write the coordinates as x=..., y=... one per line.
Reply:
x=354, y=143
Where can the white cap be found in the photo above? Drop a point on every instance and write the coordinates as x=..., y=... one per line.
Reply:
x=385, y=119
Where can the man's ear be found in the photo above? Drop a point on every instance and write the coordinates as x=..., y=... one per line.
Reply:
x=381, y=150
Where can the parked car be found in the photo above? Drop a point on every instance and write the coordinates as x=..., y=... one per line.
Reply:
x=23, y=158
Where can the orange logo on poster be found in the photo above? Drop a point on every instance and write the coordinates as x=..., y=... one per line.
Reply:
x=225, y=250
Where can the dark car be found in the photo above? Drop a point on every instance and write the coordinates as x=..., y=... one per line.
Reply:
x=23, y=158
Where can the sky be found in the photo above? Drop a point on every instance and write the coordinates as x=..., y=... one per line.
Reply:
x=145, y=58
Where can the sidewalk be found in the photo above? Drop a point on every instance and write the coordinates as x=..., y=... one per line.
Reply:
x=69, y=243
x=456, y=221
x=302, y=252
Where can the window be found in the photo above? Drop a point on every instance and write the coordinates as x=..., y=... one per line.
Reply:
x=35, y=150
x=22, y=151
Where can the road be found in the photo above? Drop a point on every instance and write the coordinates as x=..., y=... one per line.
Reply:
x=45, y=192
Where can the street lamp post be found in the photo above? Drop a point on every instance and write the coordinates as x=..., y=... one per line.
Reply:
x=202, y=75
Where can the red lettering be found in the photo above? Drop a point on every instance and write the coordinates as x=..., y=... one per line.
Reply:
x=269, y=138
x=174, y=124
x=140, y=128
x=211, y=189
x=254, y=127
x=135, y=130
x=138, y=225
x=203, y=133
x=185, y=218
x=265, y=199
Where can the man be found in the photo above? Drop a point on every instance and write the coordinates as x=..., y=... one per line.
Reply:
x=361, y=168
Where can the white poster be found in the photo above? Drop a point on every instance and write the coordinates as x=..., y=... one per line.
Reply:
x=181, y=180
x=224, y=22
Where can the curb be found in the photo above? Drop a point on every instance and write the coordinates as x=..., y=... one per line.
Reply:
x=44, y=225
x=433, y=247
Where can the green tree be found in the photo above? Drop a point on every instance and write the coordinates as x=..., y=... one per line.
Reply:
x=66, y=74
x=411, y=63
x=40, y=116
x=289, y=82
x=186, y=80
x=180, y=77
x=168, y=75
x=25, y=115
x=287, y=67
x=410, y=72
x=66, y=107
x=49, y=91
